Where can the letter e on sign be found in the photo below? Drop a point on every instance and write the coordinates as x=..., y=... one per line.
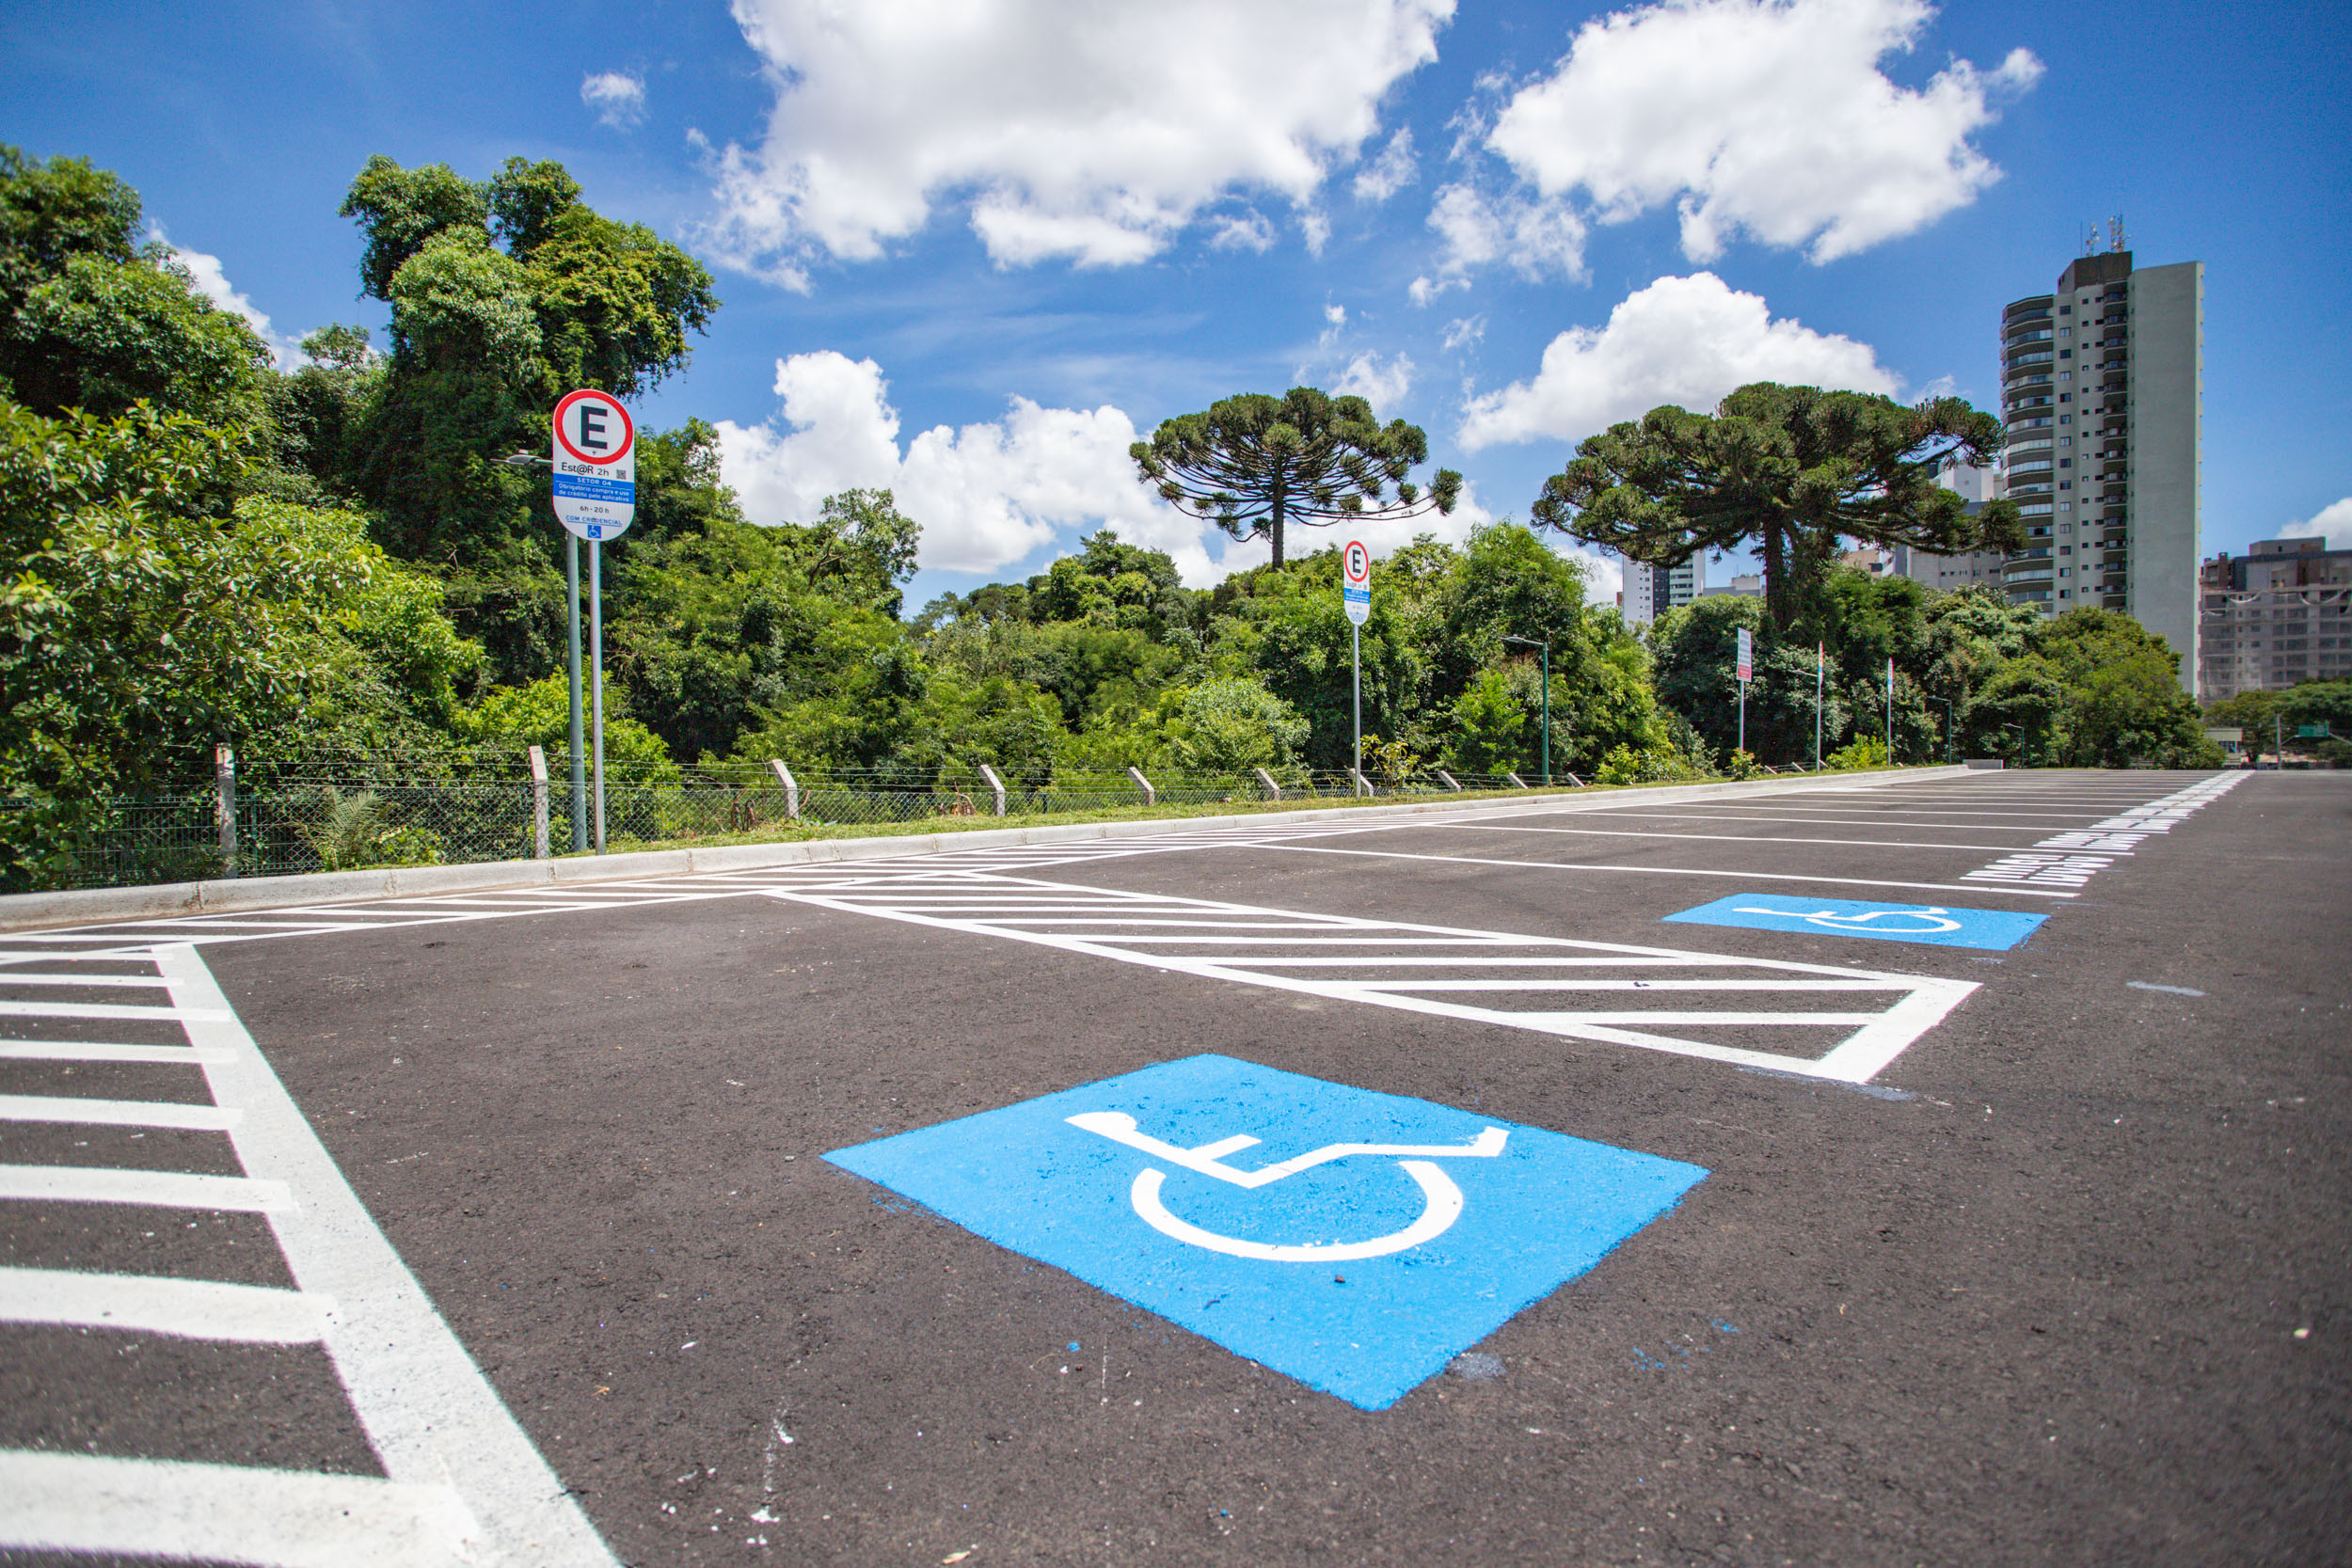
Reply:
x=1356, y=580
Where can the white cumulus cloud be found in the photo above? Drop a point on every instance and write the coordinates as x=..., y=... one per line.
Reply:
x=986, y=494
x=1771, y=118
x=1535, y=235
x=1686, y=340
x=1094, y=129
x=2331, y=522
x=1380, y=385
x=618, y=98
x=212, y=282
x=1391, y=172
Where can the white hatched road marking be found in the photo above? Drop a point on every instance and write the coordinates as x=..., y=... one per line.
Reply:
x=153, y=1303
x=462, y=1483
x=1130, y=927
x=2060, y=861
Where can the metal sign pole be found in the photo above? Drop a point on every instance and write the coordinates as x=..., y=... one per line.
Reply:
x=571, y=660
x=595, y=643
x=1547, y=713
x=1356, y=634
x=1744, y=716
x=1890, y=710
x=1821, y=671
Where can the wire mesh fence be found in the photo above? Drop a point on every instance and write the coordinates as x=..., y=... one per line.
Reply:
x=320, y=816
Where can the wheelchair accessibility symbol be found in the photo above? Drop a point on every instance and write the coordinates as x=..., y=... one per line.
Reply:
x=1441, y=1199
x=1881, y=923
x=1931, y=924
x=1448, y=1221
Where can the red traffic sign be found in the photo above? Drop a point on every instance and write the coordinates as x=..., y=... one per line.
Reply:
x=594, y=449
x=1356, y=565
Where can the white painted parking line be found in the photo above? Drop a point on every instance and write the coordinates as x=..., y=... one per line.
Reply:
x=232, y=1514
x=2062, y=860
x=155, y=1304
x=119, y=1010
x=1653, y=870
x=1497, y=964
x=99, y=982
x=118, y=1113
x=108, y=1051
x=1730, y=838
x=161, y=1189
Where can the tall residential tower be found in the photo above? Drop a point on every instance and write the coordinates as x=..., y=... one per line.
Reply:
x=2102, y=388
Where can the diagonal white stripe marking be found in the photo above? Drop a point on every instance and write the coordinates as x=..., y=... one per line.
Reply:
x=155, y=1304
x=118, y=1113
x=108, y=1051
x=70, y=1502
x=162, y=1189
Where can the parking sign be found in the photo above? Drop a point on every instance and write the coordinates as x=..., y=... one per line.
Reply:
x=593, y=446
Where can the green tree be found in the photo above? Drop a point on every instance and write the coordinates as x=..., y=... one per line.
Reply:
x=1229, y=725
x=1489, y=727
x=2123, y=697
x=1253, y=464
x=1788, y=471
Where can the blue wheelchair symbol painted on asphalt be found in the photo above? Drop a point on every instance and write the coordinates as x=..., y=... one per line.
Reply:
x=1363, y=1242
x=1996, y=929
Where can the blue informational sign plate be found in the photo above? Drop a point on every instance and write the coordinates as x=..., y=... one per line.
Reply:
x=1995, y=930
x=1354, y=1240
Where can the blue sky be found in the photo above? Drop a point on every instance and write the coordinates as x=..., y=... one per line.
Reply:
x=972, y=250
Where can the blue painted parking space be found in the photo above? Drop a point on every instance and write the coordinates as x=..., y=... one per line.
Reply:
x=1354, y=1240
x=1995, y=930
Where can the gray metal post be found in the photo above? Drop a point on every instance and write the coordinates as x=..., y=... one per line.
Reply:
x=1547, y=714
x=1890, y=711
x=1744, y=716
x=1517, y=783
x=995, y=784
x=1820, y=669
x=1151, y=796
x=595, y=643
x=1448, y=778
x=225, y=806
x=1364, y=786
x=1356, y=678
x=540, y=801
x=791, y=788
x=1265, y=780
x=571, y=666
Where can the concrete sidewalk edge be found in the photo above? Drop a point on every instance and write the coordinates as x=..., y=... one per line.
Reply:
x=25, y=911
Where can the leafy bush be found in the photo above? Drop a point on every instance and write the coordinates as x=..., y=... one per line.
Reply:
x=1863, y=752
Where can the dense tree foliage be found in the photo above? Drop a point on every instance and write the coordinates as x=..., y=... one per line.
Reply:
x=1792, y=471
x=1253, y=464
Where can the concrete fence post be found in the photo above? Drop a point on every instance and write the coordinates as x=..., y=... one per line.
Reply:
x=996, y=786
x=225, y=806
x=791, y=788
x=1151, y=796
x=1517, y=783
x=1573, y=779
x=1449, y=780
x=1266, y=782
x=539, y=804
x=1364, y=786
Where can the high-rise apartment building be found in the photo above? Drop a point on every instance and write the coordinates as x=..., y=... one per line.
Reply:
x=2280, y=614
x=1651, y=591
x=2102, y=388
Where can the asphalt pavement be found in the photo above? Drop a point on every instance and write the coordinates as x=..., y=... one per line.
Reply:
x=1941, y=1171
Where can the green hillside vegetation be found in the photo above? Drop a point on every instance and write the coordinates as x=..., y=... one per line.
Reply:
x=330, y=563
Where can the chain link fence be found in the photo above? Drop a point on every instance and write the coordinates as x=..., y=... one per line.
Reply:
x=292, y=818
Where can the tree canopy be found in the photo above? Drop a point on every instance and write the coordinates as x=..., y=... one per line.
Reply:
x=1253, y=464
x=1790, y=471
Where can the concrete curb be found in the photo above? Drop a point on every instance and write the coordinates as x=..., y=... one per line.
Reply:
x=23, y=911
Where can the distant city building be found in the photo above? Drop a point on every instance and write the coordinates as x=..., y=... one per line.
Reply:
x=1748, y=585
x=2102, y=389
x=1970, y=568
x=2278, y=615
x=1652, y=591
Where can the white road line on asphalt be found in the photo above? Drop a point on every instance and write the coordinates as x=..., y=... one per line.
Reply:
x=119, y=1113
x=1883, y=819
x=96, y=1009
x=96, y=981
x=1874, y=1040
x=1659, y=870
x=160, y=1188
x=1728, y=838
x=64, y=1502
x=157, y=1304
x=432, y=1417
x=2060, y=860
x=108, y=1051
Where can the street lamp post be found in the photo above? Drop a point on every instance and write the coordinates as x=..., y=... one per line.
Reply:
x=2021, y=739
x=1545, y=644
x=571, y=659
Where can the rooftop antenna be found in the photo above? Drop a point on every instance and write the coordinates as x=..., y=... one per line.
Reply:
x=2115, y=232
x=2090, y=239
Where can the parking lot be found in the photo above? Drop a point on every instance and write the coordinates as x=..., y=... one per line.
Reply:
x=1948, y=1169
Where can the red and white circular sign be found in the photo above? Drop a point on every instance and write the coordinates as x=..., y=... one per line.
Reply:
x=1356, y=563
x=593, y=427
